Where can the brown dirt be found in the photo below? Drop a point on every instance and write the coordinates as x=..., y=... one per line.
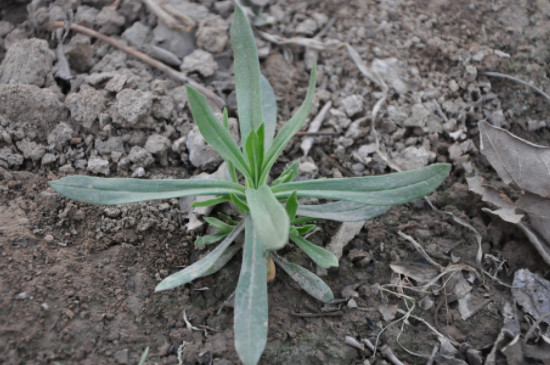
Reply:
x=76, y=281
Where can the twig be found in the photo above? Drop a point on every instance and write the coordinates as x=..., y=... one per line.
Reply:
x=314, y=315
x=432, y=328
x=432, y=355
x=420, y=249
x=519, y=81
x=384, y=350
x=313, y=128
x=142, y=57
x=533, y=326
x=159, y=9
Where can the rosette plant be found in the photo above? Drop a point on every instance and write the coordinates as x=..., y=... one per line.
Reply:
x=270, y=214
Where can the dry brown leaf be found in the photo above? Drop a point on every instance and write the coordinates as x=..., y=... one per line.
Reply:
x=419, y=272
x=516, y=160
x=506, y=207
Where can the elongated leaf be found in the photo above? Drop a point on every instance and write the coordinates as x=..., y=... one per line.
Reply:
x=254, y=152
x=288, y=175
x=291, y=206
x=247, y=74
x=269, y=108
x=239, y=203
x=311, y=283
x=269, y=216
x=302, y=231
x=343, y=211
x=220, y=225
x=210, y=202
x=291, y=127
x=319, y=255
x=214, y=132
x=201, y=267
x=210, y=238
x=223, y=259
x=110, y=191
x=250, y=325
x=391, y=189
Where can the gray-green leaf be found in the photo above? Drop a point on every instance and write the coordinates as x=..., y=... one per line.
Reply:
x=110, y=191
x=269, y=107
x=319, y=255
x=311, y=283
x=246, y=67
x=214, y=132
x=250, y=316
x=390, y=189
x=201, y=267
x=270, y=218
x=342, y=211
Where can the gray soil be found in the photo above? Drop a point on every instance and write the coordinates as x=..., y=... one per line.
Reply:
x=77, y=281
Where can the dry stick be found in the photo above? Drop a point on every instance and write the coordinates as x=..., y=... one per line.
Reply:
x=142, y=57
x=313, y=128
x=519, y=81
x=533, y=326
x=385, y=351
x=314, y=315
x=160, y=8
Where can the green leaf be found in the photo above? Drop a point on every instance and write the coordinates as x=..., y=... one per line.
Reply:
x=210, y=202
x=342, y=211
x=291, y=206
x=269, y=216
x=144, y=356
x=291, y=127
x=201, y=267
x=269, y=108
x=288, y=175
x=246, y=66
x=210, y=238
x=254, y=153
x=311, y=283
x=302, y=231
x=223, y=259
x=110, y=191
x=319, y=255
x=241, y=204
x=214, y=132
x=250, y=317
x=221, y=226
x=390, y=189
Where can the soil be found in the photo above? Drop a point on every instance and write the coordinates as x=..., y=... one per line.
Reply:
x=76, y=281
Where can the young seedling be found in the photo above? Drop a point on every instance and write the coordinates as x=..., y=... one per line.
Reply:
x=270, y=214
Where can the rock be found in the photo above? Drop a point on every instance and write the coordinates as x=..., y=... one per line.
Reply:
x=116, y=83
x=201, y=154
x=9, y=158
x=31, y=150
x=85, y=106
x=163, y=107
x=158, y=145
x=178, y=43
x=414, y=157
x=48, y=159
x=200, y=61
x=86, y=16
x=307, y=27
x=140, y=157
x=137, y=35
x=419, y=116
x=212, y=34
x=97, y=165
x=470, y=73
x=307, y=170
x=352, y=104
x=112, y=144
x=79, y=53
x=121, y=357
x=60, y=135
x=133, y=105
x=139, y=172
x=109, y=20
x=28, y=62
x=34, y=110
